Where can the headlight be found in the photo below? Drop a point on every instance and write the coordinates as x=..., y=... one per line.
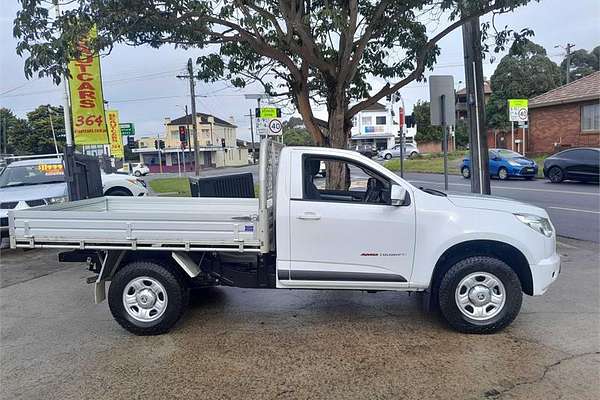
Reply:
x=539, y=224
x=513, y=163
x=55, y=200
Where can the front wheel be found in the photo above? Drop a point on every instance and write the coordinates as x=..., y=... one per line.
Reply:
x=146, y=298
x=388, y=156
x=137, y=173
x=480, y=295
x=556, y=175
x=502, y=174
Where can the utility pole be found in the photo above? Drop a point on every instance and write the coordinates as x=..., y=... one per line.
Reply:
x=52, y=128
x=69, y=153
x=190, y=76
x=480, y=177
x=568, y=48
x=252, y=136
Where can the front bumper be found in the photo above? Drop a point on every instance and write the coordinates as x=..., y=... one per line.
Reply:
x=523, y=171
x=545, y=273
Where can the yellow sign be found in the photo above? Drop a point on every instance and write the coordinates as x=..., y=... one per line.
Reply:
x=268, y=112
x=114, y=134
x=87, y=102
x=51, y=169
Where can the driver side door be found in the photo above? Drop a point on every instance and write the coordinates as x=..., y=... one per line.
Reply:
x=347, y=237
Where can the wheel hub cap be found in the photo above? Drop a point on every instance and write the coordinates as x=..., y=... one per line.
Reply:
x=480, y=296
x=145, y=299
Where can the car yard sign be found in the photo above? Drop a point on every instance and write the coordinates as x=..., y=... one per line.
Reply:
x=114, y=134
x=517, y=110
x=87, y=102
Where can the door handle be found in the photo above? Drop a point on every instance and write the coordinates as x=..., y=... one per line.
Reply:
x=309, y=216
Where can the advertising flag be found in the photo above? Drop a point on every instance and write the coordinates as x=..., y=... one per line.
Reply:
x=87, y=101
x=114, y=134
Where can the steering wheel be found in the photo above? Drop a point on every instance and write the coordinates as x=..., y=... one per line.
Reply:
x=373, y=194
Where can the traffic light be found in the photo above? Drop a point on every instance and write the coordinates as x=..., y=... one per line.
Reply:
x=161, y=143
x=130, y=142
x=182, y=135
x=222, y=142
x=155, y=143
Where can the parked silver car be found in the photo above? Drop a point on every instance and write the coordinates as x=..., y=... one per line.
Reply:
x=410, y=151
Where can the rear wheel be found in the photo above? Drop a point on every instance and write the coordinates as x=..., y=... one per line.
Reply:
x=556, y=175
x=414, y=154
x=388, y=156
x=502, y=174
x=146, y=298
x=480, y=295
x=465, y=172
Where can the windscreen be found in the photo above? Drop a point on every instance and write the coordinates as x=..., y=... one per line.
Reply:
x=26, y=175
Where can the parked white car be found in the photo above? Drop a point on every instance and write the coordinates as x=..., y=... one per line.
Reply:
x=410, y=151
x=137, y=169
x=474, y=255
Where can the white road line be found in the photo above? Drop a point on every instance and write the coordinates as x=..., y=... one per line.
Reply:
x=517, y=188
x=574, y=210
x=570, y=246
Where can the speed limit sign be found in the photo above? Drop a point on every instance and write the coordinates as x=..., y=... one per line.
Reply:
x=275, y=127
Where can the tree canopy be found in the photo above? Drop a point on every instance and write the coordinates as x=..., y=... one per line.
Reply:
x=582, y=64
x=33, y=135
x=525, y=72
x=308, y=51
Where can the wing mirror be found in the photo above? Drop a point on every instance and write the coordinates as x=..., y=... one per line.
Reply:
x=398, y=195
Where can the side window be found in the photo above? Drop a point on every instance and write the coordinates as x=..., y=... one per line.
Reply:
x=343, y=181
x=592, y=156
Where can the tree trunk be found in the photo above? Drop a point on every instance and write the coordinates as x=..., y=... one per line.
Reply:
x=338, y=177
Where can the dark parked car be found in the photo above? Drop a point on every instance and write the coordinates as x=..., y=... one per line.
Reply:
x=366, y=150
x=580, y=164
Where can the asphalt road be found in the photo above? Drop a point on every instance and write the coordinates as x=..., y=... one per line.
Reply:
x=55, y=343
x=574, y=208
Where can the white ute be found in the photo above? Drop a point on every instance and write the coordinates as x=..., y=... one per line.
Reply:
x=474, y=255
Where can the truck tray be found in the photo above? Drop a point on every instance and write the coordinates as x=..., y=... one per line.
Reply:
x=140, y=223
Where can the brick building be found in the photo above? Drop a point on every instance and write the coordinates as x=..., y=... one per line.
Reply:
x=568, y=116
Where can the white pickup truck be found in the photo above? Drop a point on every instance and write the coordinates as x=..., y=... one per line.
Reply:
x=473, y=255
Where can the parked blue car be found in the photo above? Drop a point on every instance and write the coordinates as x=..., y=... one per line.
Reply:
x=504, y=164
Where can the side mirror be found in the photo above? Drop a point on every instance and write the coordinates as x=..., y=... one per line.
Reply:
x=398, y=195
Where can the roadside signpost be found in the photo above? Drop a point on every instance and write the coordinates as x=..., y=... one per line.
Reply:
x=518, y=111
x=268, y=122
x=442, y=110
x=127, y=129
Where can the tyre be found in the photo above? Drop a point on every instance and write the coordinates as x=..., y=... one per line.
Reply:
x=413, y=154
x=556, y=175
x=465, y=172
x=146, y=298
x=502, y=174
x=480, y=295
x=388, y=156
x=119, y=192
x=137, y=173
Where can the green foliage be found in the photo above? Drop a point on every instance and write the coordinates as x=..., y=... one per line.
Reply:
x=425, y=132
x=433, y=163
x=310, y=52
x=522, y=74
x=297, y=137
x=33, y=135
x=582, y=64
x=461, y=133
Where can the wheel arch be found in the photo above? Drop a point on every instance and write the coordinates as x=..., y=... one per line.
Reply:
x=508, y=253
x=117, y=188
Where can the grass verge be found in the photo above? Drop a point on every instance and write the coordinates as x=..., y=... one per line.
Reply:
x=174, y=186
x=433, y=163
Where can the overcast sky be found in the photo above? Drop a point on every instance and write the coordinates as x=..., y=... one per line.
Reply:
x=141, y=82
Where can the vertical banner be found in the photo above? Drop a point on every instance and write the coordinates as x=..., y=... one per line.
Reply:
x=87, y=101
x=114, y=134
